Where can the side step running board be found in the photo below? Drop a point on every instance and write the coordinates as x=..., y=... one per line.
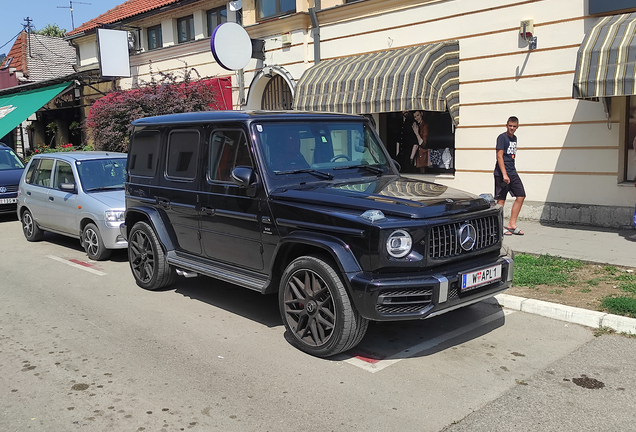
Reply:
x=191, y=266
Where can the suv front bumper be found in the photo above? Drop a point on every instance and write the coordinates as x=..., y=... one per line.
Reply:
x=408, y=296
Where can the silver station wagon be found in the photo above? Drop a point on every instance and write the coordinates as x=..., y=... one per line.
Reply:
x=77, y=194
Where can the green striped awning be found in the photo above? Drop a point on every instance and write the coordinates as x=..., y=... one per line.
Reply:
x=423, y=77
x=605, y=64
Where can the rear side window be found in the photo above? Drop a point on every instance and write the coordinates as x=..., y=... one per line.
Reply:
x=183, y=154
x=29, y=175
x=144, y=153
x=42, y=176
x=228, y=149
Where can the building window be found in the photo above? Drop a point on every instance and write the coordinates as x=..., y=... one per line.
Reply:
x=154, y=37
x=185, y=29
x=215, y=17
x=270, y=8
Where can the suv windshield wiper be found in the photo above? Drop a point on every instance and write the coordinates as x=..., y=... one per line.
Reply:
x=101, y=188
x=371, y=168
x=317, y=173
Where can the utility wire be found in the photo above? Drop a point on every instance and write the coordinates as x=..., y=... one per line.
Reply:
x=10, y=40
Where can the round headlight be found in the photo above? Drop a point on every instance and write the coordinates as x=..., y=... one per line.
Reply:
x=399, y=244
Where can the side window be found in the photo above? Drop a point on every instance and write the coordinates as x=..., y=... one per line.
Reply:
x=63, y=174
x=32, y=168
x=144, y=153
x=228, y=149
x=43, y=173
x=183, y=154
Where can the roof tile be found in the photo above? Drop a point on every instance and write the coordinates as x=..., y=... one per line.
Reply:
x=125, y=10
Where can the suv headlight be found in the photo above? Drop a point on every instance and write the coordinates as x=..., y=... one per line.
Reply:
x=399, y=244
x=114, y=218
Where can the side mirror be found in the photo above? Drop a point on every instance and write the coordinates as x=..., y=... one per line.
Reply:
x=67, y=187
x=397, y=165
x=243, y=176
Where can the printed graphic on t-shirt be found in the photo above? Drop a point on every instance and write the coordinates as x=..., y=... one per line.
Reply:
x=512, y=149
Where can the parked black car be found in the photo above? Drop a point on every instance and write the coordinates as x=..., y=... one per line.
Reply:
x=310, y=206
x=11, y=169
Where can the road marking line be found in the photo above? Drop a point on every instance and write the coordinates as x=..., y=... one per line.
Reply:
x=380, y=364
x=73, y=264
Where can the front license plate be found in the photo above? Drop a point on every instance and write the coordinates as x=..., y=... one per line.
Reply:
x=481, y=277
x=8, y=200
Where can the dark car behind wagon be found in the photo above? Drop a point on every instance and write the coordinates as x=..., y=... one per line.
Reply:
x=312, y=207
x=11, y=168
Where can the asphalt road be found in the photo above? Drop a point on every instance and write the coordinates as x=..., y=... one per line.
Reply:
x=83, y=348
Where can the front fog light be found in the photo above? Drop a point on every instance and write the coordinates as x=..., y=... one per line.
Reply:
x=399, y=244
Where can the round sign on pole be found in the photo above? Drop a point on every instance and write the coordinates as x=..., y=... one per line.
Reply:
x=231, y=46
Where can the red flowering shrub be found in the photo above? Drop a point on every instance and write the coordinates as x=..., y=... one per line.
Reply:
x=109, y=119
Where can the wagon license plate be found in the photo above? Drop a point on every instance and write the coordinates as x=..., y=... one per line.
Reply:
x=481, y=277
x=8, y=200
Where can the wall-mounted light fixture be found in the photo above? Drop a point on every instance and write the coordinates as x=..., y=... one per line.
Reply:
x=526, y=32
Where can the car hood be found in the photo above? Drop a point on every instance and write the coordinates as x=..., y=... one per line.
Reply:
x=393, y=195
x=115, y=199
x=10, y=177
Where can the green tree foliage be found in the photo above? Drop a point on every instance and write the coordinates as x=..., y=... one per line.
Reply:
x=51, y=30
x=109, y=120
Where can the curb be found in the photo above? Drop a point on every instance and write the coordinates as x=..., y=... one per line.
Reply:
x=569, y=314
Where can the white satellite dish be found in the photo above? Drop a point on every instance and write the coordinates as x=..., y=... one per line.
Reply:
x=236, y=5
x=231, y=46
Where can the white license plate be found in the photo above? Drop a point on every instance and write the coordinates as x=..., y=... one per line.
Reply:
x=481, y=277
x=8, y=200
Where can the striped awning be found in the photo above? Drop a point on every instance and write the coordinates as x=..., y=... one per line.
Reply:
x=423, y=77
x=605, y=64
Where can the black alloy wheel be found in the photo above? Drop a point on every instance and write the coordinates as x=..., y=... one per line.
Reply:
x=147, y=260
x=30, y=228
x=316, y=308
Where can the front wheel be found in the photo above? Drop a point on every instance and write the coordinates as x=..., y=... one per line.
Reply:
x=147, y=261
x=93, y=243
x=316, y=309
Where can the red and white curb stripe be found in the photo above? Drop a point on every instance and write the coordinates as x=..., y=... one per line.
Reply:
x=78, y=264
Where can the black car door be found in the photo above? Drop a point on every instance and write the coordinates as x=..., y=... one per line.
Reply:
x=230, y=217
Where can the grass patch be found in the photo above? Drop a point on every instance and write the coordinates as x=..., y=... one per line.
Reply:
x=585, y=290
x=626, y=277
x=594, y=282
x=610, y=269
x=629, y=287
x=531, y=271
x=556, y=291
x=620, y=305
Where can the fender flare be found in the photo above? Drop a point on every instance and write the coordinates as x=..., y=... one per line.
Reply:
x=157, y=220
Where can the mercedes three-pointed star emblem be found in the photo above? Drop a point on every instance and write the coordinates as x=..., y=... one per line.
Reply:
x=467, y=236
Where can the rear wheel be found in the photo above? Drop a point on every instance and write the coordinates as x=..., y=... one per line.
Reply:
x=147, y=260
x=30, y=229
x=93, y=243
x=316, y=309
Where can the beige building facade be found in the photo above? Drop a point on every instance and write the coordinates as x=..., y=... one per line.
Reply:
x=575, y=156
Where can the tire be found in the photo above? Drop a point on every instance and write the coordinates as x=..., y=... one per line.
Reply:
x=30, y=228
x=93, y=243
x=146, y=258
x=316, y=310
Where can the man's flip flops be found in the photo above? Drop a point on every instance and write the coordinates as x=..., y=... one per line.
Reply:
x=515, y=231
x=506, y=231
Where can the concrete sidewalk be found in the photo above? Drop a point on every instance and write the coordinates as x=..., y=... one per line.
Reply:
x=598, y=245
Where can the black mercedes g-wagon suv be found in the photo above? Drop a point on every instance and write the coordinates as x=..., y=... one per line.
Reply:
x=308, y=205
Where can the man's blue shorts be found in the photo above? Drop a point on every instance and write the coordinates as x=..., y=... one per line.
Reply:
x=515, y=187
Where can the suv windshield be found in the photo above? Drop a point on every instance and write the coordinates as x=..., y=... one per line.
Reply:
x=295, y=148
x=9, y=160
x=102, y=174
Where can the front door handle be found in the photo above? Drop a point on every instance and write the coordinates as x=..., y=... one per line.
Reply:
x=51, y=198
x=209, y=211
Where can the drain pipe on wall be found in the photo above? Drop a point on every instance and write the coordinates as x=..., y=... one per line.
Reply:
x=316, y=28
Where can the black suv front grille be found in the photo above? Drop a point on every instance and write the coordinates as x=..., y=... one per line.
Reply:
x=404, y=301
x=444, y=239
